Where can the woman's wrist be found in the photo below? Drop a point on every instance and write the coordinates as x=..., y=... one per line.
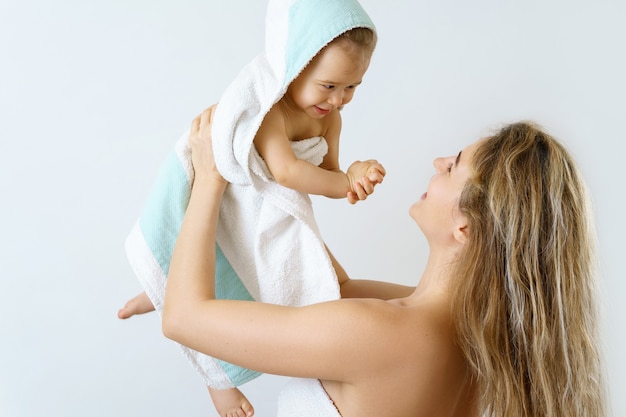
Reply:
x=207, y=181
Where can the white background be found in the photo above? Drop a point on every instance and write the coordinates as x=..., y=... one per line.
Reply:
x=94, y=94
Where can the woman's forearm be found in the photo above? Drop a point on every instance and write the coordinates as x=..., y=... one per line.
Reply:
x=191, y=278
x=359, y=288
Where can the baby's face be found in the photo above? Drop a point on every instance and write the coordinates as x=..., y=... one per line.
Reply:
x=329, y=81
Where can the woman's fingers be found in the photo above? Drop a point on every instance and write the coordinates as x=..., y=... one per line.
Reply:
x=206, y=117
x=203, y=120
x=195, y=125
x=202, y=157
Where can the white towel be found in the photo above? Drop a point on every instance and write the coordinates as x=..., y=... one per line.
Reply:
x=269, y=247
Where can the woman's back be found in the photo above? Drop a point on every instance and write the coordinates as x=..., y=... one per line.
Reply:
x=418, y=336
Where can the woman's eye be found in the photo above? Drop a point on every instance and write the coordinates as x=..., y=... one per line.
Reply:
x=329, y=87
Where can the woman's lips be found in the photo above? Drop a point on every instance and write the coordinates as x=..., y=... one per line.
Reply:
x=423, y=196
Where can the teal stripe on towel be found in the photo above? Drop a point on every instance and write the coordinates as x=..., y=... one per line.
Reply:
x=160, y=224
x=234, y=291
x=164, y=211
x=238, y=375
x=228, y=286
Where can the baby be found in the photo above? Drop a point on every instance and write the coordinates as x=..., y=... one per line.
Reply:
x=309, y=108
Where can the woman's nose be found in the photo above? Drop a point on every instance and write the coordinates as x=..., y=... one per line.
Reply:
x=439, y=163
x=442, y=164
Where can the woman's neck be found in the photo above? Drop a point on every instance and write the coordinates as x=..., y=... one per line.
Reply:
x=437, y=276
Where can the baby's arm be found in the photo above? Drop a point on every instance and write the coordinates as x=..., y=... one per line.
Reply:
x=272, y=143
x=363, y=176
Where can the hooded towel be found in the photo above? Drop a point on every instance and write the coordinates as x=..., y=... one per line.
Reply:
x=269, y=247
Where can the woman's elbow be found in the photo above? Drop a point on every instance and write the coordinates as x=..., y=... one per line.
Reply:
x=171, y=323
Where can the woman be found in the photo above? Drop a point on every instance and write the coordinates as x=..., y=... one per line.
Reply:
x=502, y=321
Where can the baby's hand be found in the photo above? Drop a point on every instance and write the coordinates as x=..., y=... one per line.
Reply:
x=363, y=177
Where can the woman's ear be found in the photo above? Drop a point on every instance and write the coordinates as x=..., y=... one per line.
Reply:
x=460, y=234
x=461, y=230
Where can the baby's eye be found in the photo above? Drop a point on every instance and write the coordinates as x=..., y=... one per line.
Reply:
x=328, y=86
x=450, y=168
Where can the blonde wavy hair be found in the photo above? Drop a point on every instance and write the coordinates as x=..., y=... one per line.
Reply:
x=525, y=303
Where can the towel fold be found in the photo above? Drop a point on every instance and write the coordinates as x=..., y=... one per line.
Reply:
x=269, y=247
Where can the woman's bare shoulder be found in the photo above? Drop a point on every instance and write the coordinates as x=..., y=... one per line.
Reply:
x=410, y=343
x=417, y=330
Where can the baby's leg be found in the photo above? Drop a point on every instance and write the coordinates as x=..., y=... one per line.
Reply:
x=139, y=304
x=231, y=403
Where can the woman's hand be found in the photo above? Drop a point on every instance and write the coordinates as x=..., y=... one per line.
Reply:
x=202, y=147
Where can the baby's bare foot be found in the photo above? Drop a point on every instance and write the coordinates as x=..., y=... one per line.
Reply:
x=231, y=403
x=139, y=304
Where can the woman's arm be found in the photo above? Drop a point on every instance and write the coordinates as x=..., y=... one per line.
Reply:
x=311, y=341
x=194, y=252
x=362, y=288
